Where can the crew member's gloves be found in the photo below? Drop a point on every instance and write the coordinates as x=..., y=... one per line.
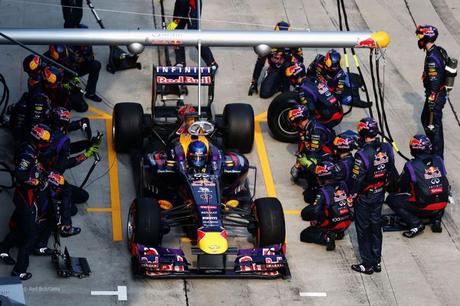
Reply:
x=172, y=25
x=91, y=150
x=306, y=162
x=432, y=101
x=253, y=88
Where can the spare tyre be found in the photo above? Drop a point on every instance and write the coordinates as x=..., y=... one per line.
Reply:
x=271, y=227
x=239, y=127
x=277, y=117
x=127, y=126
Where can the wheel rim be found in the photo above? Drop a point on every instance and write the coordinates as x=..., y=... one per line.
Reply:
x=284, y=124
x=131, y=225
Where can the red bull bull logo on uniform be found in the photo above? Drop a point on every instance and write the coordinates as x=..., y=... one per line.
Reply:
x=432, y=172
x=380, y=158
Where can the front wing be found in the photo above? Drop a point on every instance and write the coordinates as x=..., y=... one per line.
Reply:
x=258, y=263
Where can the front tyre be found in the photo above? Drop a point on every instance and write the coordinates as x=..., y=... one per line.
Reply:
x=271, y=227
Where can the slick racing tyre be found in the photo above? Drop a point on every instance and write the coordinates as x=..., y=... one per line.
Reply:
x=277, y=117
x=127, y=126
x=144, y=222
x=270, y=218
x=239, y=123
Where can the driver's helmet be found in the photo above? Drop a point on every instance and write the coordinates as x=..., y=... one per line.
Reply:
x=197, y=154
x=420, y=144
x=425, y=34
x=295, y=73
x=332, y=61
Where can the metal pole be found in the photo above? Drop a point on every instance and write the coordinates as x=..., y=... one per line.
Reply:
x=198, y=10
x=217, y=38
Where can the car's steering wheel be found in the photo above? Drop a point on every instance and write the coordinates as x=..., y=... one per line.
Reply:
x=201, y=128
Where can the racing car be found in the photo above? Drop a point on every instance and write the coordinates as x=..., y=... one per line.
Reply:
x=204, y=204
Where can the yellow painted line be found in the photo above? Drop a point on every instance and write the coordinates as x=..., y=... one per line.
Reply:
x=262, y=153
x=99, y=209
x=113, y=175
x=114, y=187
x=100, y=112
x=291, y=212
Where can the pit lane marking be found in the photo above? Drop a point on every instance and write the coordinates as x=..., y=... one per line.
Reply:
x=263, y=157
x=291, y=212
x=264, y=163
x=121, y=293
x=114, y=208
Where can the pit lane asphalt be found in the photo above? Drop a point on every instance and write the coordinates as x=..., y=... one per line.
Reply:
x=420, y=271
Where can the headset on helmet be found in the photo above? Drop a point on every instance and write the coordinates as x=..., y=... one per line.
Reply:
x=40, y=135
x=197, y=154
x=332, y=60
x=325, y=170
x=420, y=144
x=367, y=127
x=52, y=76
x=426, y=34
x=32, y=64
x=298, y=114
x=282, y=26
x=58, y=52
x=344, y=143
x=295, y=73
x=60, y=117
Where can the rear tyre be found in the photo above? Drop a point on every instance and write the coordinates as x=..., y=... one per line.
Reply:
x=277, y=117
x=271, y=226
x=239, y=123
x=144, y=222
x=127, y=126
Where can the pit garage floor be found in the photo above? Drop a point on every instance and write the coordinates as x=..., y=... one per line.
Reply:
x=422, y=271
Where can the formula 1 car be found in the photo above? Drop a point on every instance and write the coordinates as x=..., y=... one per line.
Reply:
x=205, y=204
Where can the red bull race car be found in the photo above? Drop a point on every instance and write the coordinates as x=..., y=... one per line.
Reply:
x=206, y=204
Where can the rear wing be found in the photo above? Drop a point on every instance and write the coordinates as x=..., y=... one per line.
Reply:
x=175, y=75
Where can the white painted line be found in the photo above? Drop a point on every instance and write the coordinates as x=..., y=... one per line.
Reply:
x=313, y=294
x=121, y=292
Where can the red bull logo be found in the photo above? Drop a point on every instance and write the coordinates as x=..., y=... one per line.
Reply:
x=341, y=143
x=362, y=126
x=339, y=195
x=295, y=114
x=321, y=170
x=34, y=63
x=416, y=143
x=380, y=158
x=50, y=77
x=432, y=172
